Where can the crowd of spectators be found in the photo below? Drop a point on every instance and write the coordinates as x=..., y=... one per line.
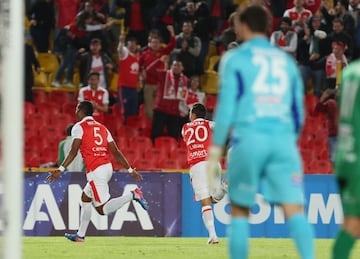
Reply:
x=168, y=42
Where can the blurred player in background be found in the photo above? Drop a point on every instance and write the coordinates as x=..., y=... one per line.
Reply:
x=96, y=144
x=261, y=102
x=347, y=162
x=77, y=164
x=197, y=135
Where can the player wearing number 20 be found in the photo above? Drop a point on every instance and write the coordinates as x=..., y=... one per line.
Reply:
x=197, y=135
x=261, y=103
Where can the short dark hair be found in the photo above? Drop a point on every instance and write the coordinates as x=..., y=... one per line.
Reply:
x=256, y=18
x=344, y=3
x=199, y=110
x=86, y=107
x=131, y=39
x=93, y=73
x=95, y=40
x=286, y=20
x=338, y=20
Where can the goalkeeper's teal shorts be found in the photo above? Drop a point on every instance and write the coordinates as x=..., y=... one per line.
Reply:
x=267, y=163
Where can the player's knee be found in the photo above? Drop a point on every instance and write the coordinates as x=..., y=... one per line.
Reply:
x=85, y=198
x=100, y=210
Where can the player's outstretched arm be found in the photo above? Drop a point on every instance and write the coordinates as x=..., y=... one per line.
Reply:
x=69, y=158
x=120, y=158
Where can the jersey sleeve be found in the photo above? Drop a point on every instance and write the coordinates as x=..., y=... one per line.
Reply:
x=81, y=96
x=105, y=97
x=211, y=124
x=77, y=131
x=109, y=136
x=182, y=131
x=230, y=84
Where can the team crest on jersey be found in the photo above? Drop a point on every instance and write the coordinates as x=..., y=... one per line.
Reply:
x=296, y=179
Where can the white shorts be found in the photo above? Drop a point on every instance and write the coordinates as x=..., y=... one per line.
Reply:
x=200, y=182
x=97, y=187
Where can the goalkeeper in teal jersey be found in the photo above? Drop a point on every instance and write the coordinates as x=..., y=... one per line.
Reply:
x=261, y=104
x=347, y=160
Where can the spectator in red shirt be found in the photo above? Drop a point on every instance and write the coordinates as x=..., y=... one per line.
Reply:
x=97, y=95
x=128, y=76
x=172, y=89
x=149, y=64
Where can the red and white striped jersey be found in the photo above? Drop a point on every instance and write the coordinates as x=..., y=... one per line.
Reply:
x=94, y=142
x=197, y=136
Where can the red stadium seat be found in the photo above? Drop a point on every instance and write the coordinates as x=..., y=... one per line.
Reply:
x=29, y=109
x=48, y=154
x=39, y=120
x=50, y=108
x=31, y=160
x=132, y=154
x=138, y=122
x=323, y=154
x=307, y=155
x=39, y=96
x=129, y=132
x=30, y=134
x=113, y=124
x=62, y=120
x=320, y=167
x=146, y=165
x=140, y=142
x=54, y=131
x=310, y=103
x=170, y=164
x=59, y=97
x=69, y=107
x=166, y=142
x=180, y=154
x=322, y=133
x=122, y=143
x=156, y=154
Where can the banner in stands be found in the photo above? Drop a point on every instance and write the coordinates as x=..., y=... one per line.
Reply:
x=323, y=210
x=53, y=209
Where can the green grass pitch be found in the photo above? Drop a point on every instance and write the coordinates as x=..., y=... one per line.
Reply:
x=160, y=247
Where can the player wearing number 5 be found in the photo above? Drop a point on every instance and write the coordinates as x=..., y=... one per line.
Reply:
x=197, y=135
x=261, y=103
x=96, y=144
